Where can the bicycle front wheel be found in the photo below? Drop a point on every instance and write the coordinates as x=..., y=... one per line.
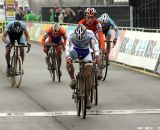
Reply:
x=95, y=88
x=78, y=99
x=58, y=69
x=19, y=72
x=52, y=67
x=83, y=97
x=13, y=71
x=104, y=66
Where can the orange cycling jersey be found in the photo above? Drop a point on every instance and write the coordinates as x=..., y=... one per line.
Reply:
x=50, y=33
x=95, y=27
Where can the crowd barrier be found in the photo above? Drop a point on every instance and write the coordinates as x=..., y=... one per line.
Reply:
x=134, y=47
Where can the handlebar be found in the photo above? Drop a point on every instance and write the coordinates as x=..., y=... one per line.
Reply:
x=82, y=61
x=28, y=46
x=108, y=41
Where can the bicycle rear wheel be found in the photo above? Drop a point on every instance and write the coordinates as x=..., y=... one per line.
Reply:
x=52, y=67
x=104, y=67
x=83, y=97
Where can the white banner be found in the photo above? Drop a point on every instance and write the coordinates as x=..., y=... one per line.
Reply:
x=140, y=49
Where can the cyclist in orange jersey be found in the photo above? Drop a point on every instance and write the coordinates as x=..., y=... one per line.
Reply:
x=54, y=35
x=91, y=23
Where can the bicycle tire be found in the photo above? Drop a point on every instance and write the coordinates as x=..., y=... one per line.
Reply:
x=78, y=99
x=106, y=66
x=84, y=97
x=52, y=67
x=58, y=70
x=12, y=71
x=19, y=73
x=95, y=89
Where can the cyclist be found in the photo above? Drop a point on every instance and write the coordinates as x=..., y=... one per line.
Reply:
x=80, y=43
x=107, y=25
x=54, y=35
x=15, y=30
x=91, y=23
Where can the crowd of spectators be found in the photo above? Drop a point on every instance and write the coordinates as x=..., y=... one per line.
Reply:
x=26, y=15
x=66, y=15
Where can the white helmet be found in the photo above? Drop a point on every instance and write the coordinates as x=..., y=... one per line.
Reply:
x=56, y=27
x=80, y=32
x=104, y=17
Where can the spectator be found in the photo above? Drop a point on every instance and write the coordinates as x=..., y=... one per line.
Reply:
x=69, y=16
x=29, y=16
x=80, y=15
x=61, y=16
x=51, y=19
x=56, y=14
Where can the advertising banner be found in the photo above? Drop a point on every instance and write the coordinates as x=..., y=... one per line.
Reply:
x=140, y=49
x=114, y=51
x=10, y=10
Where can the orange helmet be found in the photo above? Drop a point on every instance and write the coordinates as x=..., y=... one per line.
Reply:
x=90, y=11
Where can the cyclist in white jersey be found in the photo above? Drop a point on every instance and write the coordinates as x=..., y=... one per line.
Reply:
x=81, y=43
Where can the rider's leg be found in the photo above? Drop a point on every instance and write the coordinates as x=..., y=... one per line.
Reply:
x=7, y=56
x=46, y=49
x=22, y=53
x=59, y=52
x=108, y=38
x=89, y=81
x=70, y=69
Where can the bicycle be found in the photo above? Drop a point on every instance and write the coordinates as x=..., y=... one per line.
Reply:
x=105, y=62
x=80, y=92
x=16, y=70
x=54, y=63
x=94, y=90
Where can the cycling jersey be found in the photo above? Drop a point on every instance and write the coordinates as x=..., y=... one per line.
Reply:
x=108, y=25
x=56, y=39
x=82, y=48
x=96, y=28
x=14, y=35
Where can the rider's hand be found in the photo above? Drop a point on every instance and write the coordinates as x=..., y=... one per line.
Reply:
x=103, y=51
x=29, y=45
x=9, y=45
x=114, y=42
x=68, y=60
x=98, y=59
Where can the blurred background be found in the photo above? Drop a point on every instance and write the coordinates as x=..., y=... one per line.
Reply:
x=125, y=13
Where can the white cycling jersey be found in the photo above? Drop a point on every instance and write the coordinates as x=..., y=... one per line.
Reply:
x=89, y=42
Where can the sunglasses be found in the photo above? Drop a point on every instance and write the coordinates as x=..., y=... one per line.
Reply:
x=90, y=17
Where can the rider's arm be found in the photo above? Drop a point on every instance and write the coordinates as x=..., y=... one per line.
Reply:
x=27, y=36
x=4, y=39
x=63, y=33
x=100, y=34
x=44, y=38
x=25, y=31
x=6, y=32
x=95, y=46
x=113, y=25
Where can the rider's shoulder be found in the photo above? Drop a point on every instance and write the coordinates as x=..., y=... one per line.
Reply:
x=97, y=21
x=82, y=21
x=90, y=34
